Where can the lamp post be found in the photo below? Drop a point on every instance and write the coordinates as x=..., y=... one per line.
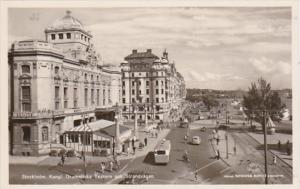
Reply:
x=84, y=143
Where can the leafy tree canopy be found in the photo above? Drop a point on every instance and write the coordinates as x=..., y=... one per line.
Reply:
x=260, y=97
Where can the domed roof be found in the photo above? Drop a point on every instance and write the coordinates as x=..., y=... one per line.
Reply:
x=66, y=22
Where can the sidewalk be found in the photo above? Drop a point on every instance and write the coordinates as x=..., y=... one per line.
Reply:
x=272, y=141
x=53, y=161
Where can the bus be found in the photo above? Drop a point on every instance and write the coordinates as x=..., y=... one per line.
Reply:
x=162, y=152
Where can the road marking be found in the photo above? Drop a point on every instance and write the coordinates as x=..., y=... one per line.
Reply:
x=222, y=171
x=206, y=166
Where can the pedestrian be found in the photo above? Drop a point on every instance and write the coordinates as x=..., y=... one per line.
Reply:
x=145, y=140
x=196, y=175
x=111, y=165
x=279, y=145
x=218, y=140
x=132, y=142
x=218, y=156
x=133, y=150
x=234, y=150
x=274, y=160
x=102, y=167
x=62, y=160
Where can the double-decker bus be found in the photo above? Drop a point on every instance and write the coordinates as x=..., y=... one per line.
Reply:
x=162, y=152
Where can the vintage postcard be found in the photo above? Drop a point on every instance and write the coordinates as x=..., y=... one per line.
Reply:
x=187, y=93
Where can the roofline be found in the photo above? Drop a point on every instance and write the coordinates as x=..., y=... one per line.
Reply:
x=67, y=29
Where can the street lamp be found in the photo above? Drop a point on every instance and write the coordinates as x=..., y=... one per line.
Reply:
x=84, y=142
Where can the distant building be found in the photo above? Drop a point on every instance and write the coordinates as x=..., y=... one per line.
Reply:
x=53, y=83
x=151, y=84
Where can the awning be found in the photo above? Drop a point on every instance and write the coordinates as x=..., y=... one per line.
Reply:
x=80, y=128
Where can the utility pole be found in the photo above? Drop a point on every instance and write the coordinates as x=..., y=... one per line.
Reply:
x=84, y=142
x=265, y=145
x=226, y=137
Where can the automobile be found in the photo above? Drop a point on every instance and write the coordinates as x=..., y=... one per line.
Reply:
x=224, y=127
x=196, y=140
x=203, y=129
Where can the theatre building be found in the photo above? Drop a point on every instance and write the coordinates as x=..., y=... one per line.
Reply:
x=53, y=83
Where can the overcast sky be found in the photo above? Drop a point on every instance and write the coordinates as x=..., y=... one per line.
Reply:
x=217, y=48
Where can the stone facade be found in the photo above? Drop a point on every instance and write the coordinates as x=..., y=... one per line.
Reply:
x=53, y=83
x=151, y=86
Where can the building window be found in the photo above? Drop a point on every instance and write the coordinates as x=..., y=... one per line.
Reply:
x=85, y=97
x=132, y=91
x=124, y=108
x=92, y=77
x=81, y=36
x=68, y=35
x=147, y=83
x=140, y=83
x=162, y=99
x=65, y=104
x=140, y=92
x=156, y=82
x=25, y=69
x=92, y=96
x=147, y=91
x=157, y=100
x=85, y=76
x=124, y=100
x=157, y=108
x=56, y=69
x=104, y=96
x=157, y=91
x=26, y=132
x=44, y=134
x=75, y=97
x=147, y=74
x=133, y=100
x=26, y=98
x=123, y=92
x=60, y=35
x=162, y=83
x=123, y=83
x=132, y=74
x=98, y=97
x=53, y=36
x=162, y=91
x=65, y=92
x=56, y=92
x=148, y=100
x=97, y=77
x=132, y=83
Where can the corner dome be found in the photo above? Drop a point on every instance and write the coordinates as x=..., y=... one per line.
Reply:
x=66, y=22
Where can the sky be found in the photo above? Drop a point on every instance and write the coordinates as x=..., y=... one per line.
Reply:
x=216, y=48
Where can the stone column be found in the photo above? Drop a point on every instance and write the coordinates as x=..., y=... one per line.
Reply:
x=136, y=132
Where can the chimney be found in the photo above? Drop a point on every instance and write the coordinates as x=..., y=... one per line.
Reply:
x=134, y=51
x=149, y=50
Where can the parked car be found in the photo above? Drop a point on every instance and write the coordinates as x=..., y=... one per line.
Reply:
x=203, y=129
x=196, y=140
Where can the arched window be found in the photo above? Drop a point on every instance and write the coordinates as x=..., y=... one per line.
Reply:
x=85, y=76
x=26, y=134
x=44, y=133
x=25, y=69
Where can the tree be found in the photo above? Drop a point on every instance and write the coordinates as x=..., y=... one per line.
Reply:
x=210, y=101
x=261, y=98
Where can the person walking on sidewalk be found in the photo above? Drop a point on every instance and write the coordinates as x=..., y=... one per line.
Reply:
x=145, y=140
x=111, y=165
x=102, y=167
x=133, y=150
x=62, y=160
x=218, y=154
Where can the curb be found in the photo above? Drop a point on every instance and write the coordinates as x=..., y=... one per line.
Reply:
x=271, y=152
